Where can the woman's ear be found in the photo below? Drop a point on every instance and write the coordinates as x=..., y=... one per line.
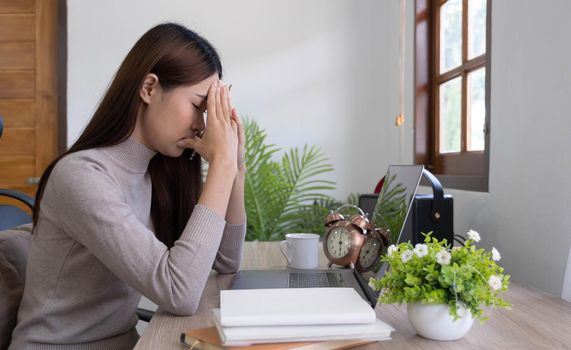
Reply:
x=149, y=87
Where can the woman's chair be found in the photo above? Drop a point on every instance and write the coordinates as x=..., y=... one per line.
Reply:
x=12, y=216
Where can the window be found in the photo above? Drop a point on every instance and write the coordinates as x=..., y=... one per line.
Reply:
x=452, y=91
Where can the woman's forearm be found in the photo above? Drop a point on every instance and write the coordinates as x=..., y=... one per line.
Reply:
x=218, y=187
x=236, y=213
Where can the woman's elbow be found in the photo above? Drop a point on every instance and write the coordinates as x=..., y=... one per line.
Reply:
x=226, y=267
x=183, y=308
x=182, y=301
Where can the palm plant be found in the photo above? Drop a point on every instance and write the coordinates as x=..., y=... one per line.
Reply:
x=284, y=196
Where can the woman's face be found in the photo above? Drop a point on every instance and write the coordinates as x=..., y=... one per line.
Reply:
x=167, y=117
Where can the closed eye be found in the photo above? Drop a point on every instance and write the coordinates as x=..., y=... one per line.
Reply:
x=202, y=109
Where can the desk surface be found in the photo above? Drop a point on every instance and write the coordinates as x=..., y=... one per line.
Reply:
x=537, y=319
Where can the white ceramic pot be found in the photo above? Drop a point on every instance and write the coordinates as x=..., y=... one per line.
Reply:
x=433, y=321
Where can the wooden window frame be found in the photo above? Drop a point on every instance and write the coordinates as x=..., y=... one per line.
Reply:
x=463, y=170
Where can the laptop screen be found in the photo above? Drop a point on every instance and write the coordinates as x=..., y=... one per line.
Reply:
x=393, y=206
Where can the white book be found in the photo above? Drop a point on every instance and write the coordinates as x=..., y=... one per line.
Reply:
x=243, y=336
x=293, y=306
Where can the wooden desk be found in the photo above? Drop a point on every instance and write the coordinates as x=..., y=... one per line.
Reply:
x=537, y=320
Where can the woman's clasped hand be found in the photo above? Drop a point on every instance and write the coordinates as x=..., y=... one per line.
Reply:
x=223, y=139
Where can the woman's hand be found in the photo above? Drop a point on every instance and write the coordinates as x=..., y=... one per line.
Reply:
x=241, y=160
x=219, y=143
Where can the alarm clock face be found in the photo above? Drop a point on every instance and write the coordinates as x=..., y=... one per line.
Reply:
x=370, y=253
x=339, y=242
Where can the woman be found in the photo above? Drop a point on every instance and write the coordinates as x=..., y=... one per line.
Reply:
x=124, y=211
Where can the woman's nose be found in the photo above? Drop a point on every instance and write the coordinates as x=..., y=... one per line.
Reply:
x=201, y=121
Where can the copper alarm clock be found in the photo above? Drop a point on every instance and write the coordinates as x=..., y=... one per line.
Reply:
x=355, y=242
x=376, y=240
x=344, y=238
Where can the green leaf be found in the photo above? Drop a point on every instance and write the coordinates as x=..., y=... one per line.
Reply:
x=463, y=282
x=412, y=280
x=285, y=196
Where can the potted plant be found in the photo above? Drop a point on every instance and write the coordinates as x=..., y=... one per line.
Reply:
x=444, y=288
x=286, y=195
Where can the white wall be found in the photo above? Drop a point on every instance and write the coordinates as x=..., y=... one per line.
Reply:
x=325, y=72
x=310, y=72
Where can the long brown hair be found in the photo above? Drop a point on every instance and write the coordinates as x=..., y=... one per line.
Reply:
x=178, y=56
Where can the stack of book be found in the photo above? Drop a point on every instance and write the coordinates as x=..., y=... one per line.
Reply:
x=255, y=316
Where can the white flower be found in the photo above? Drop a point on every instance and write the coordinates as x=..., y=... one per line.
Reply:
x=473, y=235
x=495, y=282
x=372, y=283
x=420, y=250
x=443, y=257
x=392, y=248
x=406, y=256
x=495, y=254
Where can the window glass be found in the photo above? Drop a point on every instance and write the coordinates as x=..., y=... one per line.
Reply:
x=476, y=109
x=450, y=115
x=450, y=35
x=476, y=28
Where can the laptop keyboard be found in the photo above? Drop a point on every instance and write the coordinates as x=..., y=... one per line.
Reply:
x=315, y=279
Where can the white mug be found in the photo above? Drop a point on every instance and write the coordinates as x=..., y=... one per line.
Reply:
x=301, y=250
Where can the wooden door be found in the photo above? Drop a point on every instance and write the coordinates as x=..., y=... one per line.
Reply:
x=28, y=91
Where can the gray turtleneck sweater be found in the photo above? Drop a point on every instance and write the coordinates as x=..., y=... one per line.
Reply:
x=94, y=253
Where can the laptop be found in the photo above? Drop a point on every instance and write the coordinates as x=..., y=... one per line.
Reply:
x=390, y=211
